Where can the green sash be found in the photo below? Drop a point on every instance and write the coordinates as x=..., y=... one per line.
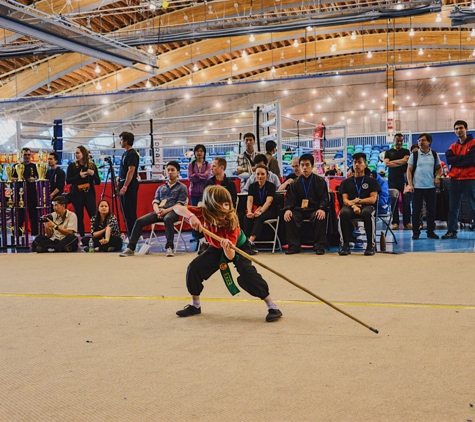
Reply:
x=226, y=271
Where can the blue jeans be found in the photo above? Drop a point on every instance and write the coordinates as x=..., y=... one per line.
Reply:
x=457, y=189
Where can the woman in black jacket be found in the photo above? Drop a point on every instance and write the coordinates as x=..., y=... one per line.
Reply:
x=82, y=175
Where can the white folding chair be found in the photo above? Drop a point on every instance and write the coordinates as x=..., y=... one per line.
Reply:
x=273, y=223
x=178, y=226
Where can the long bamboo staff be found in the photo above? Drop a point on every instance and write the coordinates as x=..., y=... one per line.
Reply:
x=251, y=258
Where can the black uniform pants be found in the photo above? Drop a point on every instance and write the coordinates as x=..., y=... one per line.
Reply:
x=293, y=227
x=128, y=204
x=346, y=225
x=206, y=264
x=253, y=226
x=81, y=200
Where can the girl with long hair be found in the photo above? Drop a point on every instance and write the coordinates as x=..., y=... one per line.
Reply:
x=104, y=230
x=82, y=175
x=217, y=214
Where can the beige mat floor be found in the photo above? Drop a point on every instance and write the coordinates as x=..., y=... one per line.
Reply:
x=95, y=338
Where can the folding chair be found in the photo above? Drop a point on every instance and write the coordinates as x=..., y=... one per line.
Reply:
x=273, y=223
x=178, y=226
x=387, y=218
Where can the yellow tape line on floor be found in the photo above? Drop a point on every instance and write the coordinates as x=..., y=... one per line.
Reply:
x=300, y=302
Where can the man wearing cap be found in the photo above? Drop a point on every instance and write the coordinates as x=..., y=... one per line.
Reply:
x=61, y=227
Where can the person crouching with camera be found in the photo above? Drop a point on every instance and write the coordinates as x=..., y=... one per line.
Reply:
x=61, y=227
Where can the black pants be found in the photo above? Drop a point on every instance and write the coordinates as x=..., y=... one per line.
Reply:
x=114, y=244
x=31, y=202
x=206, y=264
x=346, y=226
x=293, y=228
x=406, y=204
x=128, y=204
x=253, y=226
x=419, y=195
x=81, y=200
x=42, y=243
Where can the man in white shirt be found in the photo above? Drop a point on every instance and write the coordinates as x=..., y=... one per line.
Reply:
x=61, y=227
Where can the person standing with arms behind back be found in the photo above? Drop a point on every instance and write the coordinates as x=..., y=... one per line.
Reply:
x=396, y=159
x=128, y=183
x=82, y=175
x=56, y=176
x=461, y=157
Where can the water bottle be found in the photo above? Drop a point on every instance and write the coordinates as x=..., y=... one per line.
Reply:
x=91, y=245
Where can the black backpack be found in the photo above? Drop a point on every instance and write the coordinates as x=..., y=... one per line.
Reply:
x=416, y=155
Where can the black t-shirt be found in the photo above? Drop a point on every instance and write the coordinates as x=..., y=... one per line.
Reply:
x=365, y=185
x=396, y=174
x=267, y=190
x=292, y=176
x=129, y=158
x=57, y=180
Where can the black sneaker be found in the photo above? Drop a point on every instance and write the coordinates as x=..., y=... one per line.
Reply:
x=188, y=310
x=345, y=250
x=291, y=251
x=273, y=315
x=415, y=236
x=253, y=247
x=320, y=251
x=369, y=252
x=432, y=235
x=450, y=235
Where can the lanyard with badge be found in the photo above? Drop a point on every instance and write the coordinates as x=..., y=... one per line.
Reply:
x=358, y=188
x=164, y=201
x=306, y=190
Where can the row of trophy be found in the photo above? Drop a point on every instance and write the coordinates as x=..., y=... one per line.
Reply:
x=15, y=212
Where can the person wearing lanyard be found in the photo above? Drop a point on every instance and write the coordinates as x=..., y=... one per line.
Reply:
x=128, y=182
x=359, y=195
x=56, y=176
x=306, y=199
x=259, y=206
x=166, y=197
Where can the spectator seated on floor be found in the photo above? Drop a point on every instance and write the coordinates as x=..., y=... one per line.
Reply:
x=61, y=227
x=306, y=199
x=166, y=197
x=359, y=195
x=261, y=159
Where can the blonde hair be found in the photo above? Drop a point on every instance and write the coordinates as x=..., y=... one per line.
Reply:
x=213, y=211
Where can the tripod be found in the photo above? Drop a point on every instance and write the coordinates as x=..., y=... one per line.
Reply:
x=115, y=208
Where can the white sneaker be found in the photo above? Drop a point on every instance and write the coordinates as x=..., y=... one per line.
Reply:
x=127, y=252
x=170, y=252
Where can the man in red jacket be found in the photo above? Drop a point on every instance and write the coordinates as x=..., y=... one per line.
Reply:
x=461, y=157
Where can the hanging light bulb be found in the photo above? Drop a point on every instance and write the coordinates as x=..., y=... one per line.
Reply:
x=152, y=6
x=195, y=68
x=399, y=6
x=370, y=54
x=438, y=18
x=98, y=86
x=244, y=54
x=353, y=35
x=251, y=38
x=148, y=68
x=309, y=28
x=97, y=69
x=333, y=47
x=230, y=81
x=235, y=67
x=273, y=69
x=190, y=82
x=472, y=34
x=411, y=32
x=296, y=43
x=148, y=84
x=421, y=51
x=150, y=50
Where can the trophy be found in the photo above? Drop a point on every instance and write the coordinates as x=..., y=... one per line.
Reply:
x=9, y=170
x=9, y=195
x=21, y=203
x=41, y=166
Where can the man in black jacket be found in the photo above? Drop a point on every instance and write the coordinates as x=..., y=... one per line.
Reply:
x=218, y=167
x=306, y=199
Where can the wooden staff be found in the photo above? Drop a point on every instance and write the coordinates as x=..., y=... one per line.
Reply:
x=251, y=258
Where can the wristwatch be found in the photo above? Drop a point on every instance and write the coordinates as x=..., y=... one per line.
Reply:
x=56, y=227
x=359, y=201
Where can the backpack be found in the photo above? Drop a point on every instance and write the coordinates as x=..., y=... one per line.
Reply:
x=416, y=155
